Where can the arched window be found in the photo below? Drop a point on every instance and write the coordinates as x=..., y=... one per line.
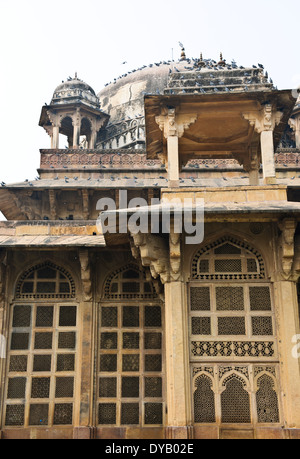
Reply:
x=130, y=363
x=41, y=361
x=267, y=400
x=232, y=323
x=204, y=400
x=228, y=259
x=235, y=401
x=45, y=281
x=128, y=283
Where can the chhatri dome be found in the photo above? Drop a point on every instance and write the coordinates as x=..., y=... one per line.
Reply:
x=74, y=90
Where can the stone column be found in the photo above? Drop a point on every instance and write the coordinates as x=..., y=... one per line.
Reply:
x=267, y=154
x=177, y=361
x=252, y=166
x=285, y=294
x=85, y=394
x=76, y=135
x=295, y=125
x=76, y=128
x=264, y=123
x=173, y=126
x=164, y=261
x=93, y=138
x=173, y=160
x=55, y=138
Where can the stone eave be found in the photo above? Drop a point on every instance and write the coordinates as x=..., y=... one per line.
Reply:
x=44, y=118
x=284, y=101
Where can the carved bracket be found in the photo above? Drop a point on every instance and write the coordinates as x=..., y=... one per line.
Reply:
x=172, y=124
x=86, y=274
x=265, y=119
x=164, y=262
x=288, y=228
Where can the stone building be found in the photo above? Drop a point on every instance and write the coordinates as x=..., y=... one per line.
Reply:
x=119, y=334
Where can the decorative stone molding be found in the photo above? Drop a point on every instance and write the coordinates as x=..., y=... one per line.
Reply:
x=154, y=253
x=86, y=274
x=175, y=256
x=287, y=239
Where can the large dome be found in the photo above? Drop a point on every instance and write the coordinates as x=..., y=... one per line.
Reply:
x=75, y=90
x=123, y=98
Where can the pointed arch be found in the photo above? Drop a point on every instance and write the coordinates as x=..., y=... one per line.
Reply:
x=128, y=282
x=235, y=399
x=228, y=258
x=267, y=399
x=45, y=280
x=204, y=399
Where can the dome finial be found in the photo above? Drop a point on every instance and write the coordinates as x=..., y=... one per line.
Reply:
x=183, y=55
x=201, y=62
x=222, y=62
x=76, y=76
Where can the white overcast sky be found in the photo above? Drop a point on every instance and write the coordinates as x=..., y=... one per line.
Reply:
x=44, y=42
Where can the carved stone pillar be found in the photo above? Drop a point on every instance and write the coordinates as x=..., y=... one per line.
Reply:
x=295, y=125
x=76, y=128
x=286, y=304
x=287, y=245
x=264, y=122
x=287, y=315
x=252, y=166
x=165, y=262
x=173, y=127
x=86, y=356
x=53, y=130
x=93, y=138
x=177, y=371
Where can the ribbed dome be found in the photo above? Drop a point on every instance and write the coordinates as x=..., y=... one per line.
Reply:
x=75, y=90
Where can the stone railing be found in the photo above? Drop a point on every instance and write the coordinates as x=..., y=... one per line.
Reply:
x=129, y=159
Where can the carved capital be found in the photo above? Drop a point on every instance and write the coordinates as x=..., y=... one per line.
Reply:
x=172, y=124
x=265, y=119
x=85, y=274
x=54, y=118
x=154, y=254
x=163, y=261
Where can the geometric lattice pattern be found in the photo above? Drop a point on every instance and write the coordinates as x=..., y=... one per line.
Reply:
x=236, y=394
x=228, y=259
x=232, y=321
x=41, y=361
x=130, y=372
